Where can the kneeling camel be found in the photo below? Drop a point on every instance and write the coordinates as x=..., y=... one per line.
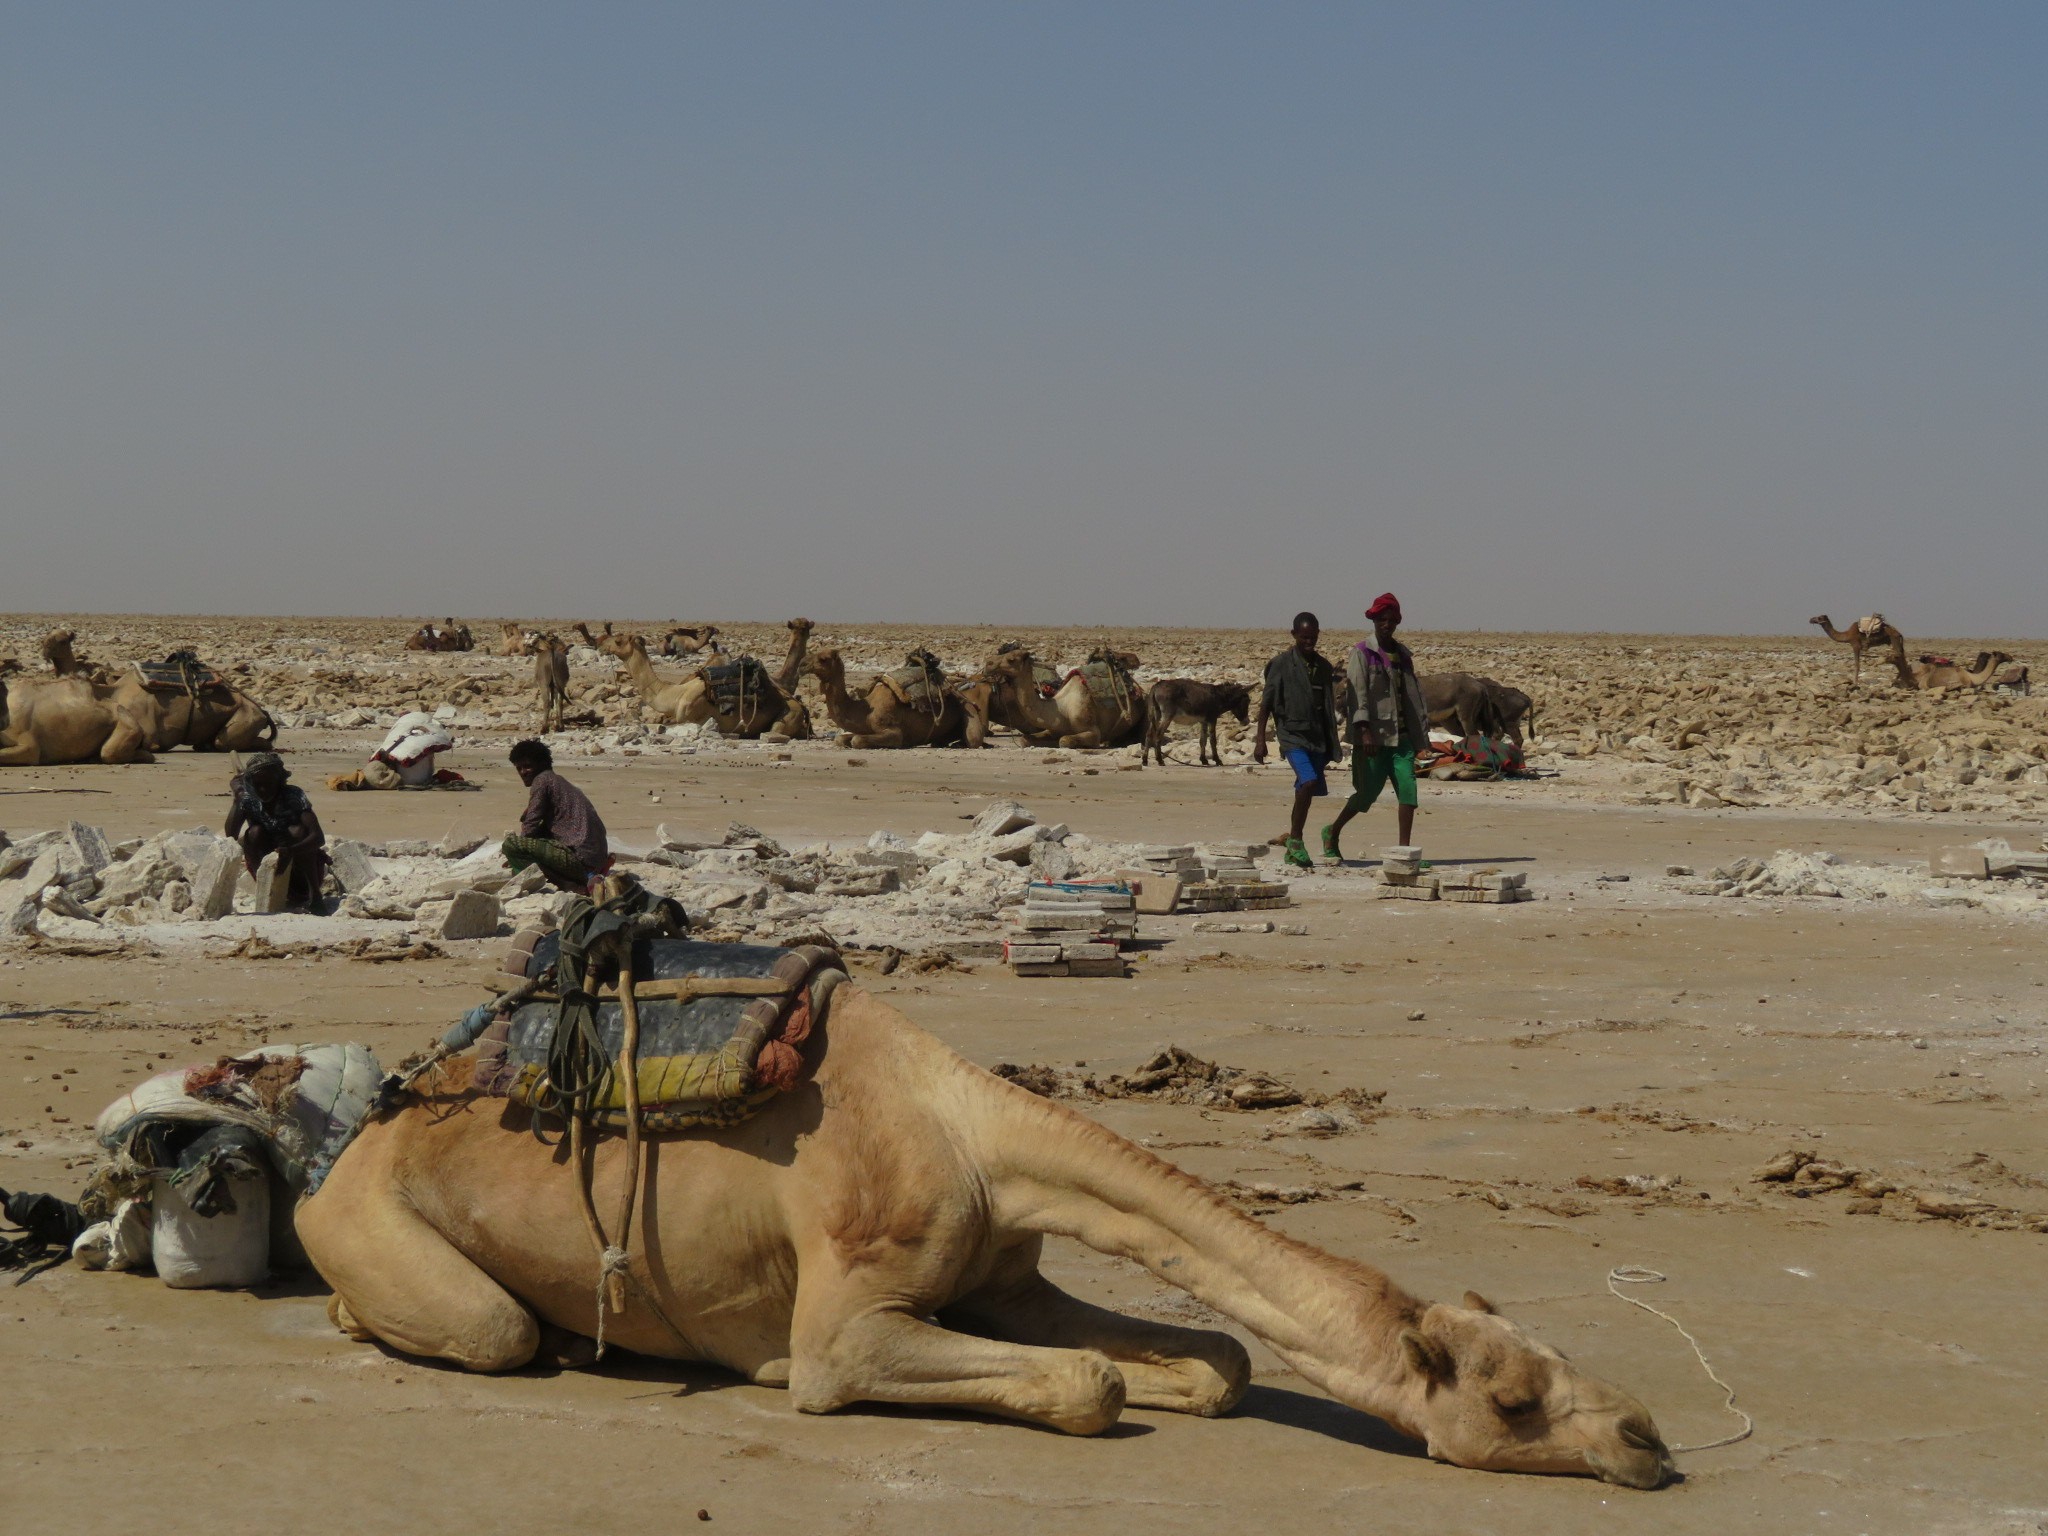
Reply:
x=875, y=1236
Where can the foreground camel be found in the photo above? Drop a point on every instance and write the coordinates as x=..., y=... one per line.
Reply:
x=69, y=720
x=874, y=1236
x=881, y=718
x=213, y=719
x=1075, y=716
x=216, y=718
x=551, y=679
x=1871, y=630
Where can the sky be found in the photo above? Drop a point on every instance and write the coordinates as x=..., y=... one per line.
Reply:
x=1632, y=317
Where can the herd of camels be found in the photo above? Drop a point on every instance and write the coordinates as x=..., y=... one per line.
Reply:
x=82, y=712
x=1099, y=704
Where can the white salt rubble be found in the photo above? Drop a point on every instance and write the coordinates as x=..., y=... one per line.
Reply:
x=931, y=891
x=1790, y=873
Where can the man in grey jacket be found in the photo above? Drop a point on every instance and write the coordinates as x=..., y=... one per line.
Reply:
x=1300, y=698
x=1389, y=723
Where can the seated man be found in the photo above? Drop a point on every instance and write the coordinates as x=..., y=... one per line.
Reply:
x=267, y=814
x=560, y=831
x=406, y=759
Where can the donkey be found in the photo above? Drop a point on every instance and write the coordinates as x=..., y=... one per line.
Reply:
x=1182, y=698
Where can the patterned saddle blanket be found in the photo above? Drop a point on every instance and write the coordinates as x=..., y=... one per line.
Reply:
x=1108, y=681
x=181, y=672
x=723, y=1029
x=921, y=684
x=735, y=683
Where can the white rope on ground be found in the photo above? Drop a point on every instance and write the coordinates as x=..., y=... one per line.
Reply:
x=1636, y=1274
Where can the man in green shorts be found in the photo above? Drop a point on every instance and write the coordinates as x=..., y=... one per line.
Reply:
x=1388, y=723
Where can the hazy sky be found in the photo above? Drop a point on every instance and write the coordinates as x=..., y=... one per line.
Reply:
x=1550, y=316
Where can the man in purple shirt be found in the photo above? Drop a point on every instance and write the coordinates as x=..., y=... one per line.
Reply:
x=560, y=831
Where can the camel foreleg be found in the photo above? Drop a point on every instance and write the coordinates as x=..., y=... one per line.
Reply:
x=397, y=1279
x=892, y=1357
x=1181, y=1370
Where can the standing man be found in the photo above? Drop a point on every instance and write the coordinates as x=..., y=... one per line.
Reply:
x=1299, y=697
x=1388, y=723
x=560, y=831
x=268, y=814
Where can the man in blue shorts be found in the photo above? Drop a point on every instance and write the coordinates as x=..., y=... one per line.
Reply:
x=1300, y=699
x=1389, y=723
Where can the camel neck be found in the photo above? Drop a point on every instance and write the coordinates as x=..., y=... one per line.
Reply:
x=1337, y=1322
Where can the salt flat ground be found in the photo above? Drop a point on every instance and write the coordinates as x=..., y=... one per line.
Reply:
x=1897, y=1368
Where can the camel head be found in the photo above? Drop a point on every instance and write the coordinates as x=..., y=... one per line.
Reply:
x=1485, y=1394
x=1822, y=620
x=800, y=626
x=826, y=665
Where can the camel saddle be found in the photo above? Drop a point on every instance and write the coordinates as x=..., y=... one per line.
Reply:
x=181, y=672
x=921, y=684
x=732, y=683
x=723, y=1029
x=1107, y=679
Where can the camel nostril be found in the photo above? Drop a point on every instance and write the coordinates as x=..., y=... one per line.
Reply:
x=1641, y=1434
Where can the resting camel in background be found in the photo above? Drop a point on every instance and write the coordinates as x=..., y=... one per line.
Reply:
x=875, y=1235
x=685, y=641
x=1870, y=630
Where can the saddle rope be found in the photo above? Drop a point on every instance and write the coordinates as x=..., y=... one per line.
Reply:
x=1636, y=1274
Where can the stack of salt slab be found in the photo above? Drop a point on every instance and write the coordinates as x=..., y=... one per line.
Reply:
x=1072, y=930
x=1401, y=876
x=1230, y=881
x=1234, y=867
x=1485, y=885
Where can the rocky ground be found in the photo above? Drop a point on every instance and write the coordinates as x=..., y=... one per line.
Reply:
x=1783, y=1048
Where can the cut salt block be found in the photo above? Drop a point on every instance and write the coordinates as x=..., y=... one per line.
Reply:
x=1001, y=817
x=350, y=863
x=1964, y=863
x=91, y=845
x=471, y=915
x=213, y=890
x=273, y=884
x=1155, y=894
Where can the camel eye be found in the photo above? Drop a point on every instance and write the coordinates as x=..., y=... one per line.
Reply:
x=1516, y=1407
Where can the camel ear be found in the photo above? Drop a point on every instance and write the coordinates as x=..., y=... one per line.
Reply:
x=1425, y=1356
x=1477, y=1302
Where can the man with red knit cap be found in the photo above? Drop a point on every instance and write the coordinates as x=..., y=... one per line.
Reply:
x=1388, y=723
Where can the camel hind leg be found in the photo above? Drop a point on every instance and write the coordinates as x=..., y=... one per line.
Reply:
x=1181, y=1370
x=398, y=1280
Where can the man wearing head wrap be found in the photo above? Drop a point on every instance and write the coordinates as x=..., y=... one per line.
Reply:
x=269, y=814
x=1300, y=697
x=1388, y=723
